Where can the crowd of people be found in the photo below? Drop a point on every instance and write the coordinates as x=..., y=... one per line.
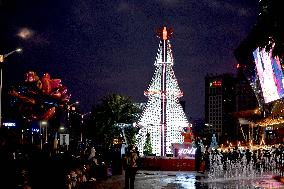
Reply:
x=34, y=168
x=86, y=171
x=91, y=170
x=262, y=157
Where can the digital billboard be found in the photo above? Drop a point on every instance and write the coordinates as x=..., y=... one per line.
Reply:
x=270, y=74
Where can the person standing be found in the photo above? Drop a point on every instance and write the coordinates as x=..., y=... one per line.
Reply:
x=207, y=160
x=93, y=162
x=198, y=158
x=138, y=161
x=130, y=167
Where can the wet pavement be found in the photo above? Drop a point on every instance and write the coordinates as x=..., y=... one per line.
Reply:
x=187, y=180
x=191, y=180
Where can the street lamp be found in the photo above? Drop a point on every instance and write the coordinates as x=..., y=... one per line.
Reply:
x=2, y=59
x=61, y=128
x=82, y=122
x=43, y=131
x=68, y=111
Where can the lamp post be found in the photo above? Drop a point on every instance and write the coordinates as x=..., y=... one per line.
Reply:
x=2, y=59
x=43, y=131
x=68, y=111
x=82, y=122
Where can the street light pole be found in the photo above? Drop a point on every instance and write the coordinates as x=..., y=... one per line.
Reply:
x=2, y=58
x=42, y=132
x=82, y=122
x=68, y=112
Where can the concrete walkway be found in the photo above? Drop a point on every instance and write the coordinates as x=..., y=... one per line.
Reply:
x=114, y=182
x=145, y=180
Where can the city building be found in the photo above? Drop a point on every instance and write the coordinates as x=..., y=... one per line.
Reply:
x=220, y=103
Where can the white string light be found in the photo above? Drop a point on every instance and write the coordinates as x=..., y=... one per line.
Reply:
x=150, y=120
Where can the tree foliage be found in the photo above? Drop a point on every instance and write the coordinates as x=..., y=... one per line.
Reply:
x=113, y=109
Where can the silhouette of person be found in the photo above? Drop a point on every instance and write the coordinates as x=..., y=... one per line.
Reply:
x=198, y=158
x=130, y=167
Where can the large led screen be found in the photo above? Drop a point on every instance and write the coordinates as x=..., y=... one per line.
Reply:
x=270, y=75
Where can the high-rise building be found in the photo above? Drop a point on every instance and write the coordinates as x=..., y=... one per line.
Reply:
x=219, y=104
x=163, y=117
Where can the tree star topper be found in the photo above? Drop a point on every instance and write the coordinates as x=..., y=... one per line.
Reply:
x=164, y=33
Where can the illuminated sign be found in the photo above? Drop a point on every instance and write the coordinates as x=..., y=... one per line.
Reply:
x=64, y=139
x=183, y=150
x=9, y=124
x=270, y=74
x=216, y=83
x=187, y=151
x=35, y=130
x=268, y=128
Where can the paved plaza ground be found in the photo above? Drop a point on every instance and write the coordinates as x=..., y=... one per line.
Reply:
x=186, y=180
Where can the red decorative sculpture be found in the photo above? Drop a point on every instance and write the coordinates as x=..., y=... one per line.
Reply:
x=38, y=99
x=187, y=134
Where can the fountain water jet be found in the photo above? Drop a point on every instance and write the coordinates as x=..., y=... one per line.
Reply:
x=256, y=170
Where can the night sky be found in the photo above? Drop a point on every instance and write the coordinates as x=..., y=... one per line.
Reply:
x=100, y=47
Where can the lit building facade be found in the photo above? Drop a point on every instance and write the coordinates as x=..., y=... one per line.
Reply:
x=219, y=104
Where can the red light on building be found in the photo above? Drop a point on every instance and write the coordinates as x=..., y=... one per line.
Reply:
x=216, y=83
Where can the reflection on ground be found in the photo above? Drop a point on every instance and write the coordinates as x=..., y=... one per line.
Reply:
x=191, y=180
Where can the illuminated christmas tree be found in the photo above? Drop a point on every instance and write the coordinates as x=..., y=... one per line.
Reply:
x=163, y=117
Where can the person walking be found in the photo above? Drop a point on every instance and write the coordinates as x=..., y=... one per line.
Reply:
x=130, y=167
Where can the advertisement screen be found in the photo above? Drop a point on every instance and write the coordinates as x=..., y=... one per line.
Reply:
x=270, y=75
